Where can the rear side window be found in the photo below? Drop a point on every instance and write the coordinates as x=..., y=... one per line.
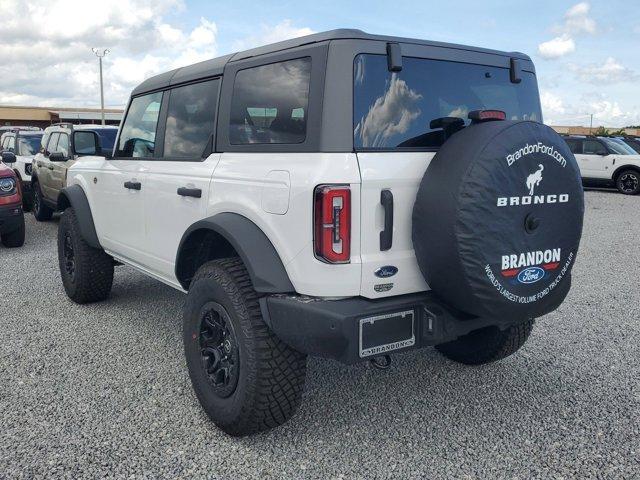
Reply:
x=574, y=144
x=190, y=118
x=593, y=147
x=138, y=135
x=429, y=100
x=270, y=103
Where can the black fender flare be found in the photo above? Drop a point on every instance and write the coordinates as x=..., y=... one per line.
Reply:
x=75, y=198
x=260, y=257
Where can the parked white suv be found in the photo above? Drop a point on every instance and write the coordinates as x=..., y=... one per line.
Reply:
x=18, y=147
x=342, y=195
x=607, y=161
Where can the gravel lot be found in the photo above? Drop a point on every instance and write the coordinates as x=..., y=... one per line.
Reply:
x=102, y=390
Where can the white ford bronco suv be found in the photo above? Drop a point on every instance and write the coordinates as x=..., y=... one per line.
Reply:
x=341, y=195
x=607, y=161
x=18, y=147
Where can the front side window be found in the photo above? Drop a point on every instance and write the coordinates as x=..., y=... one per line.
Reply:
x=11, y=144
x=107, y=138
x=594, y=147
x=270, y=103
x=138, y=135
x=618, y=146
x=28, y=145
x=53, y=143
x=429, y=100
x=63, y=144
x=190, y=118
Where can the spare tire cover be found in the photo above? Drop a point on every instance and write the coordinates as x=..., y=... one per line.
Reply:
x=498, y=220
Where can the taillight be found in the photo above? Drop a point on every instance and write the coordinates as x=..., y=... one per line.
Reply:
x=332, y=221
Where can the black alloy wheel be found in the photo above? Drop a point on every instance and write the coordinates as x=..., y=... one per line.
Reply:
x=69, y=256
x=219, y=349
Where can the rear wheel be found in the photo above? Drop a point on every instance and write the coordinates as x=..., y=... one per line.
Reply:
x=87, y=272
x=16, y=237
x=487, y=344
x=245, y=377
x=41, y=211
x=628, y=182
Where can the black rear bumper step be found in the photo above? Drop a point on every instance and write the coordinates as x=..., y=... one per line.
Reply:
x=330, y=328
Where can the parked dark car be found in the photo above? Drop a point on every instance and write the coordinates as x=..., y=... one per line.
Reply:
x=11, y=214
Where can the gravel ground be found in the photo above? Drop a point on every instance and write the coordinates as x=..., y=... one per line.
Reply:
x=102, y=390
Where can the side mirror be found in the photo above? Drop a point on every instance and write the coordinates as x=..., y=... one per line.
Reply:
x=8, y=157
x=86, y=142
x=57, y=157
x=604, y=154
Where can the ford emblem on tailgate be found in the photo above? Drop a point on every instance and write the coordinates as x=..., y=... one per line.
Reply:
x=386, y=271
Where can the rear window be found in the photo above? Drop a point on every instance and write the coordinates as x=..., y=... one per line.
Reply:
x=429, y=100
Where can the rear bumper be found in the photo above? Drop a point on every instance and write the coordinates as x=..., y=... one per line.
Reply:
x=331, y=328
x=10, y=218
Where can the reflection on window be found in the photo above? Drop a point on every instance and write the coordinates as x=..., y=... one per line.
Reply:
x=190, y=119
x=270, y=103
x=429, y=100
x=29, y=145
x=138, y=135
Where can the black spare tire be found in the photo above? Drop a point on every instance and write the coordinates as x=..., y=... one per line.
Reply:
x=498, y=220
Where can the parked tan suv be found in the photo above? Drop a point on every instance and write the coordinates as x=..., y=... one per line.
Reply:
x=57, y=153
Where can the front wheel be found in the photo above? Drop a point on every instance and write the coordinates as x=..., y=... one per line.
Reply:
x=87, y=272
x=16, y=237
x=488, y=344
x=245, y=377
x=628, y=182
x=40, y=210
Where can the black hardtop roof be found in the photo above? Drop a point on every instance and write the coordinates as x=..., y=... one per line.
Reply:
x=215, y=66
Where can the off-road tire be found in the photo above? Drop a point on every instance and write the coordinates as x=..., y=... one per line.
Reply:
x=41, y=212
x=487, y=344
x=620, y=183
x=271, y=375
x=15, y=238
x=93, y=268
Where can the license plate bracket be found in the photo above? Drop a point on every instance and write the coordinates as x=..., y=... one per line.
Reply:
x=386, y=333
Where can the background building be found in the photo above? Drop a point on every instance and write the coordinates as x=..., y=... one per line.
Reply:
x=579, y=130
x=45, y=116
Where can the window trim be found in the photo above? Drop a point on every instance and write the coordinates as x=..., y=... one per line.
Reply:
x=162, y=124
x=318, y=56
x=117, y=141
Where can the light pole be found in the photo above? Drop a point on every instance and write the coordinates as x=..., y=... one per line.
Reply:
x=101, y=54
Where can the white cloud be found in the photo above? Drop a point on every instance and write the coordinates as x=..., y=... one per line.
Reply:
x=391, y=113
x=552, y=104
x=576, y=21
x=46, y=58
x=611, y=71
x=271, y=34
x=557, y=47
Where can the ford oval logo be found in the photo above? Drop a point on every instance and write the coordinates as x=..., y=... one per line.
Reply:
x=531, y=275
x=386, y=271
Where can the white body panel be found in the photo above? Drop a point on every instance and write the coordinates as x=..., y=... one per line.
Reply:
x=252, y=185
x=19, y=166
x=602, y=167
x=401, y=173
x=596, y=166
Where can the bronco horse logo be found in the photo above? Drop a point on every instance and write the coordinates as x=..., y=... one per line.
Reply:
x=534, y=179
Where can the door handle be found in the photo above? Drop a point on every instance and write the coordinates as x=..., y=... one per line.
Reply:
x=190, y=192
x=133, y=185
x=386, y=235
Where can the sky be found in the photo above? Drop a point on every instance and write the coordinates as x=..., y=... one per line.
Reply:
x=587, y=54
